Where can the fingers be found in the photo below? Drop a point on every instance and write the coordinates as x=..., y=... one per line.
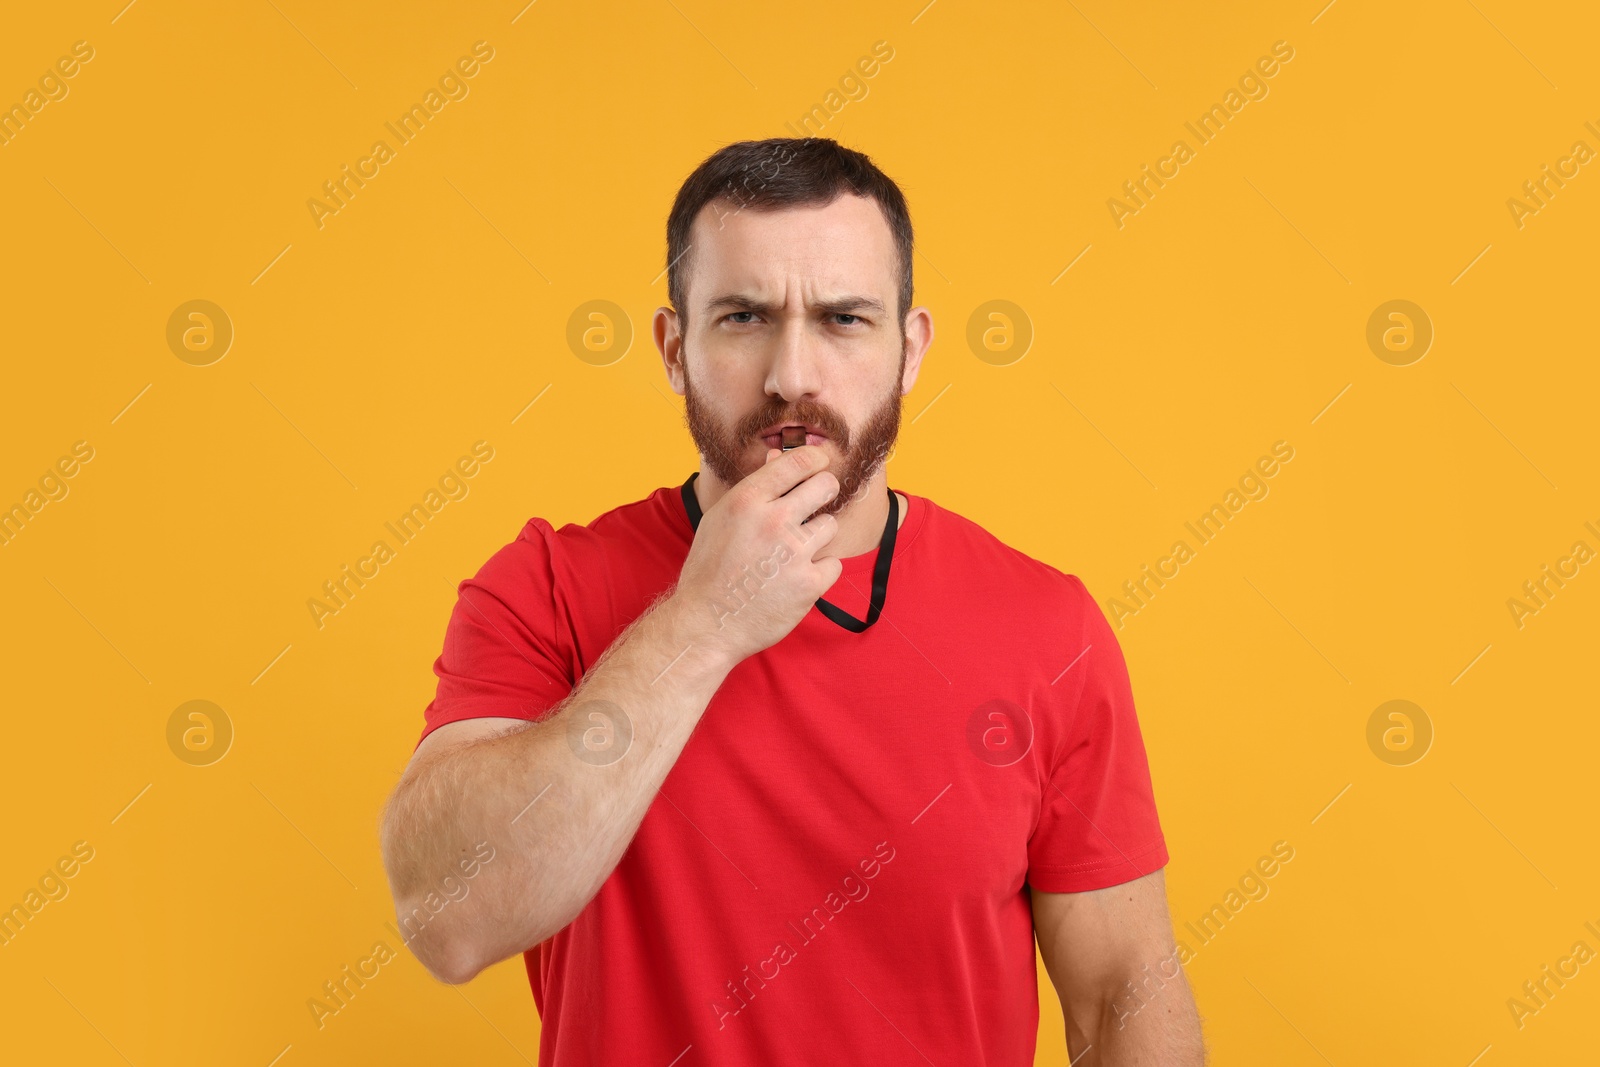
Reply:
x=800, y=503
x=804, y=500
x=819, y=535
x=780, y=475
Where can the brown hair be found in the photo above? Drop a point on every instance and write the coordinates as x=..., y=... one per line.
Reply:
x=781, y=172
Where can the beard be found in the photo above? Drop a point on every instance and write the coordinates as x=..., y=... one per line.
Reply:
x=727, y=451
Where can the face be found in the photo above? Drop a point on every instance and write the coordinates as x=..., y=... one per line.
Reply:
x=791, y=318
x=858, y=451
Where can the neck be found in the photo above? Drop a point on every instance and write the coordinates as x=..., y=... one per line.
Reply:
x=861, y=521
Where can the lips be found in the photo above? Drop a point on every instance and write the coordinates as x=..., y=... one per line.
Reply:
x=772, y=436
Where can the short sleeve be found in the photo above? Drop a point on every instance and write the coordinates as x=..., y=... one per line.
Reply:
x=1097, y=825
x=506, y=649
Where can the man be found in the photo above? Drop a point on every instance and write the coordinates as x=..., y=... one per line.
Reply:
x=780, y=764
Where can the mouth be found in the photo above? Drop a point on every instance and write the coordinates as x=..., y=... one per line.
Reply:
x=773, y=436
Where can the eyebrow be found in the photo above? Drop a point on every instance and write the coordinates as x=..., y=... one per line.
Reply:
x=841, y=305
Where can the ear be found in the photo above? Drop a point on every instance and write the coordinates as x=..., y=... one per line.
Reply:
x=919, y=338
x=664, y=327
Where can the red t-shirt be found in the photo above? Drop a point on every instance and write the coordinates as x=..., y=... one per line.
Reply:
x=836, y=864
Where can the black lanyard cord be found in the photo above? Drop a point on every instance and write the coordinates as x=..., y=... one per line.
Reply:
x=880, y=570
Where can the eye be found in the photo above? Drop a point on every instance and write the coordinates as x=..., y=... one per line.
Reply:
x=845, y=315
x=737, y=313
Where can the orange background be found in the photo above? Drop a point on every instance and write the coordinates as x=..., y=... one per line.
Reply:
x=368, y=354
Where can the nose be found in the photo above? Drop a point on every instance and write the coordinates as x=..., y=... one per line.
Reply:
x=796, y=369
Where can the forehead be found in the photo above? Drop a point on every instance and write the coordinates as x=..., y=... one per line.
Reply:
x=842, y=247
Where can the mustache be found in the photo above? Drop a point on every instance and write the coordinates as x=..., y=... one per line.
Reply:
x=835, y=429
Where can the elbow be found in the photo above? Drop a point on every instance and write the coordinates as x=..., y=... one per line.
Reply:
x=454, y=948
x=432, y=933
x=453, y=965
x=448, y=955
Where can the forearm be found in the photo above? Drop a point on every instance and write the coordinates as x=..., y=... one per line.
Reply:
x=558, y=814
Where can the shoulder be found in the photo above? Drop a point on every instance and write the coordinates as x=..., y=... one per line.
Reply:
x=543, y=550
x=998, y=564
x=648, y=514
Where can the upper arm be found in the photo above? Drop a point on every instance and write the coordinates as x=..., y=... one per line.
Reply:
x=1119, y=974
x=1093, y=942
x=461, y=732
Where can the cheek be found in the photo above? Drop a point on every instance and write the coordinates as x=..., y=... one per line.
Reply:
x=727, y=363
x=714, y=414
